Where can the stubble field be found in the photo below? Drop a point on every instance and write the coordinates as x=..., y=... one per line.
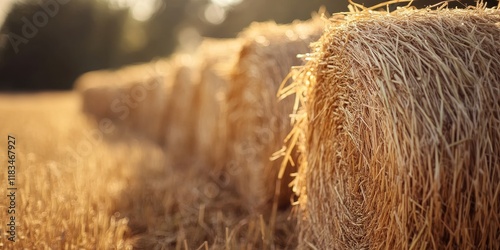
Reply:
x=87, y=184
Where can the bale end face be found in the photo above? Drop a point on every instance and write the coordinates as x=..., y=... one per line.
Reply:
x=399, y=132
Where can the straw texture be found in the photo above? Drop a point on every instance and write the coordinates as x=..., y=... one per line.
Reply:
x=217, y=58
x=179, y=117
x=399, y=132
x=257, y=123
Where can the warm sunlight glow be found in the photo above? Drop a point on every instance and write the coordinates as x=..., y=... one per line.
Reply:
x=215, y=14
x=144, y=10
x=140, y=10
x=226, y=3
x=189, y=39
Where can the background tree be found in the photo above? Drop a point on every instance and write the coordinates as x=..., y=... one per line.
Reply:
x=87, y=35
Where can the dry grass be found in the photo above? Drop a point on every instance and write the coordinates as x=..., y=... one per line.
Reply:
x=63, y=201
x=118, y=191
x=399, y=132
x=257, y=123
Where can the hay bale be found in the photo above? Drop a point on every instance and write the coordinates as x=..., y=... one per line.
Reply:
x=256, y=122
x=95, y=99
x=179, y=113
x=217, y=59
x=399, y=133
x=132, y=97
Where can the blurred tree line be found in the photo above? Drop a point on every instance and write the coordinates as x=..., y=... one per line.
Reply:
x=47, y=44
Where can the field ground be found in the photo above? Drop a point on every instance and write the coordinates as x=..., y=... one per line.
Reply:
x=81, y=187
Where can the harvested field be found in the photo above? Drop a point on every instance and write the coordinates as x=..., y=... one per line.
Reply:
x=394, y=129
x=399, y=132
x=67, y=182
x=257, y=123
x=78, y=189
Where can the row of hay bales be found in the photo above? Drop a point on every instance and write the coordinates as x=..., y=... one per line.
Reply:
x=399, y=132
x=397, y=124
x=216, y=108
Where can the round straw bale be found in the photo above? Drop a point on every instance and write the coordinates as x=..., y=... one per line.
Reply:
x=217, y=58
x=179, y=116
x=257, y=123
x=94, y=97
x=399, y=133
x=132, y=97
